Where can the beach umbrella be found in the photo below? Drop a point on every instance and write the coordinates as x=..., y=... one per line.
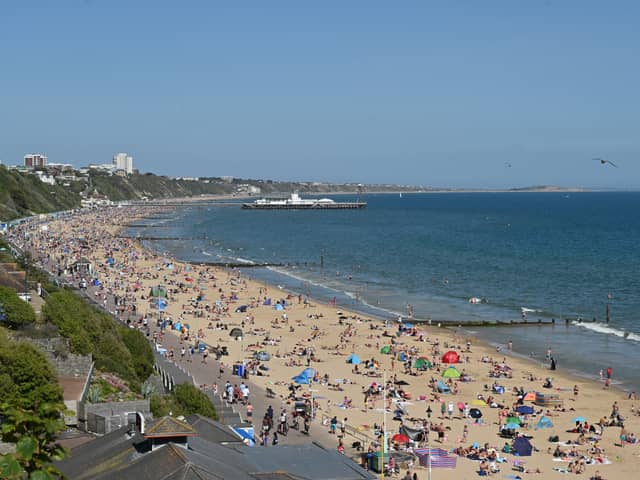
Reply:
x=579, y=419
x=525, y=410
x=475, y=413
x=512, y=426
x=451, y=373
x=513, y=420
x=478, y=402
x=400, y=438
x=460, y=406
x=236, y=332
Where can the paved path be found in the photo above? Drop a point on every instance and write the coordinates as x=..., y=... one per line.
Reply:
x=209, y=373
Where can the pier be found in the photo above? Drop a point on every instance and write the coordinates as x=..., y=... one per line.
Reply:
x=315, y=206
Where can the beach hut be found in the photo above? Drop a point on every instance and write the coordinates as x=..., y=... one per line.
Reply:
x=522, y=447
x=353, y=359
x=451, y=357
x=451, y=372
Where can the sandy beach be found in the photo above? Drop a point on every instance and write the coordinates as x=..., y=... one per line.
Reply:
x=300, y=333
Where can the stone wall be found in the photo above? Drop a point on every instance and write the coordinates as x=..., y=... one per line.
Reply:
x=57, y=352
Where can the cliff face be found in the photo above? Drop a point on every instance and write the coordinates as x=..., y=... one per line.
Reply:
x=24, y=194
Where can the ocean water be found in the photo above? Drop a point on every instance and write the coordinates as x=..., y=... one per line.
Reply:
x=558, y=255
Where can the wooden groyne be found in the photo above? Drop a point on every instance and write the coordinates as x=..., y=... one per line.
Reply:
x=513, y=323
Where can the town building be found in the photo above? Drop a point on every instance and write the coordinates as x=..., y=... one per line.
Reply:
x=124, y=162
x=35, y=160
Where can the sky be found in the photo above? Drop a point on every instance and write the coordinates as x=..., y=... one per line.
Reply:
x=451, y=93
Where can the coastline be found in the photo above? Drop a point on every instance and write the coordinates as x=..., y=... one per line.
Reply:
x=593, y=400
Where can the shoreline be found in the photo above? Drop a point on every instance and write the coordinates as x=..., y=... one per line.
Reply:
x=320, y=326
x=449, y=325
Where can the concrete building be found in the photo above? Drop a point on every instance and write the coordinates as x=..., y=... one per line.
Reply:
x=33, y=160
x=122, y=161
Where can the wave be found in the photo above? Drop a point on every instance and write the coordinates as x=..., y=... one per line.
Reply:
x=607, y=330
x=204, y=252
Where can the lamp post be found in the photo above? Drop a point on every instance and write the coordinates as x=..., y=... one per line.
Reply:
x=429, y=411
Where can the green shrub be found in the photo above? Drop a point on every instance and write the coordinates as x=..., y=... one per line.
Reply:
x=115, y=348
x=17, y=311
x=185, y=399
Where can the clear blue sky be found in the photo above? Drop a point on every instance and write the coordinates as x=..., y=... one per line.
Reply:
x=443, y=93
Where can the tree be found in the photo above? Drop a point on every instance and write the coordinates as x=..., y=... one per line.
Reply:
x=33, y=432
x=27, y=379
x=17, y=312
x=193, y=400
x=185, y=399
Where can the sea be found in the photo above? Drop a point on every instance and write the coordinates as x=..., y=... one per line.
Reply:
x=421, y=257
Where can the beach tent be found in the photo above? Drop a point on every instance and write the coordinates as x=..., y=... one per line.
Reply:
x=400, y=438
x=475, y=413
x=512, y=426
x=422, y=363
x=402, y=356
x=267, y=302
x=158, y=291
x=530, y=397
x=279, y=307
x=263, y=356
x=386, y=349
x=177, y=326
x=110, y=261
x=354, y=359
x=513, y=420
x=451, y=357
x=525, y=410
x=442, y=387
x=304, y=377
x=236, y=332
x=451, y=372
x=544, y=422
x=241, y=309
x=416, y=434
x=522, y=447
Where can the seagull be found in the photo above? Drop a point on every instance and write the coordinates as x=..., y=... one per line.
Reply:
x=604, y=162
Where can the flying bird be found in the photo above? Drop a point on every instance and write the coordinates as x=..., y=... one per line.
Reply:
x=604, y=162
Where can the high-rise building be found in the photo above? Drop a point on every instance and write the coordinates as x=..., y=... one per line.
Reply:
x=33, y=160
x=122, y=161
